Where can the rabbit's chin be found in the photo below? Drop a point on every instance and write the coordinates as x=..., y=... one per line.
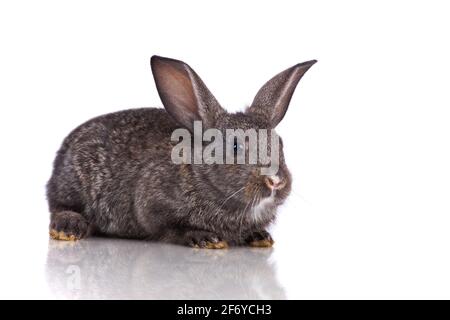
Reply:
x=264, y=207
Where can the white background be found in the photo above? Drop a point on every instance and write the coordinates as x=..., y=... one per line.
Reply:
x=366, y=136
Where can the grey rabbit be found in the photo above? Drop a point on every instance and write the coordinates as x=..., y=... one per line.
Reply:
x=114, y=175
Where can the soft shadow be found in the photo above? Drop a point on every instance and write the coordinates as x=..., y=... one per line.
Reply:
x=99, y=268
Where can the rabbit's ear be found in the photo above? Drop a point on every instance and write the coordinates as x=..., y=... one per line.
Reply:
x=272, y=100
x=183, y=93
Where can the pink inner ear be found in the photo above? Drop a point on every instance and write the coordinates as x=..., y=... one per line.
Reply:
x=176, y=87
x=183, y=93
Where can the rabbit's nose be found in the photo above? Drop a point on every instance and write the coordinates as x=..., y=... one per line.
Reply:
x=274, y=182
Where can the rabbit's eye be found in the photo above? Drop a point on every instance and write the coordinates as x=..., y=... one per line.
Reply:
x=237, y=147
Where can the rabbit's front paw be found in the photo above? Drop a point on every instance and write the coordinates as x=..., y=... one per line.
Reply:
x=68, y=226
x=260, y=239
x=205, y=240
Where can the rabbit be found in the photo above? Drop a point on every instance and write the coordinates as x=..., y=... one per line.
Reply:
x=114, y=176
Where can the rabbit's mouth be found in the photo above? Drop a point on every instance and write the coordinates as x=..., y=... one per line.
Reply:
x=268, y=195
x=268, y=203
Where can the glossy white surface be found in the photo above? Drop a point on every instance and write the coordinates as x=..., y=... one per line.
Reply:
x=117, y=269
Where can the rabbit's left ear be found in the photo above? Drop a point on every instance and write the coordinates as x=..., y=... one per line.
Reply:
x=272, y=100
x=184, y=95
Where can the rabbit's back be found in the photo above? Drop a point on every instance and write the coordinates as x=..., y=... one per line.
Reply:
x=99, y=164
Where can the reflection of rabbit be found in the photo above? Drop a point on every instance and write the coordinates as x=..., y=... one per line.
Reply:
x=114, y=173
x=116, y=269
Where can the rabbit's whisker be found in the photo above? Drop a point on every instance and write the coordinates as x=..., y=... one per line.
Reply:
x=251, y=202
x=228, y=198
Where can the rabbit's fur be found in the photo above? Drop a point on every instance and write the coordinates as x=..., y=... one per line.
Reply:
x=114, y=176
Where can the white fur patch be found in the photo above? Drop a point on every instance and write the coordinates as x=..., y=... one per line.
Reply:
x=262, y=206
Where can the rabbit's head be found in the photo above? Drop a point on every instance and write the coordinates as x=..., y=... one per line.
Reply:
x=187, y=99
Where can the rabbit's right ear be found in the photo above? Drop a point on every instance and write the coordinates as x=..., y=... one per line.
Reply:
x=184, y=95
x=272, y=100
